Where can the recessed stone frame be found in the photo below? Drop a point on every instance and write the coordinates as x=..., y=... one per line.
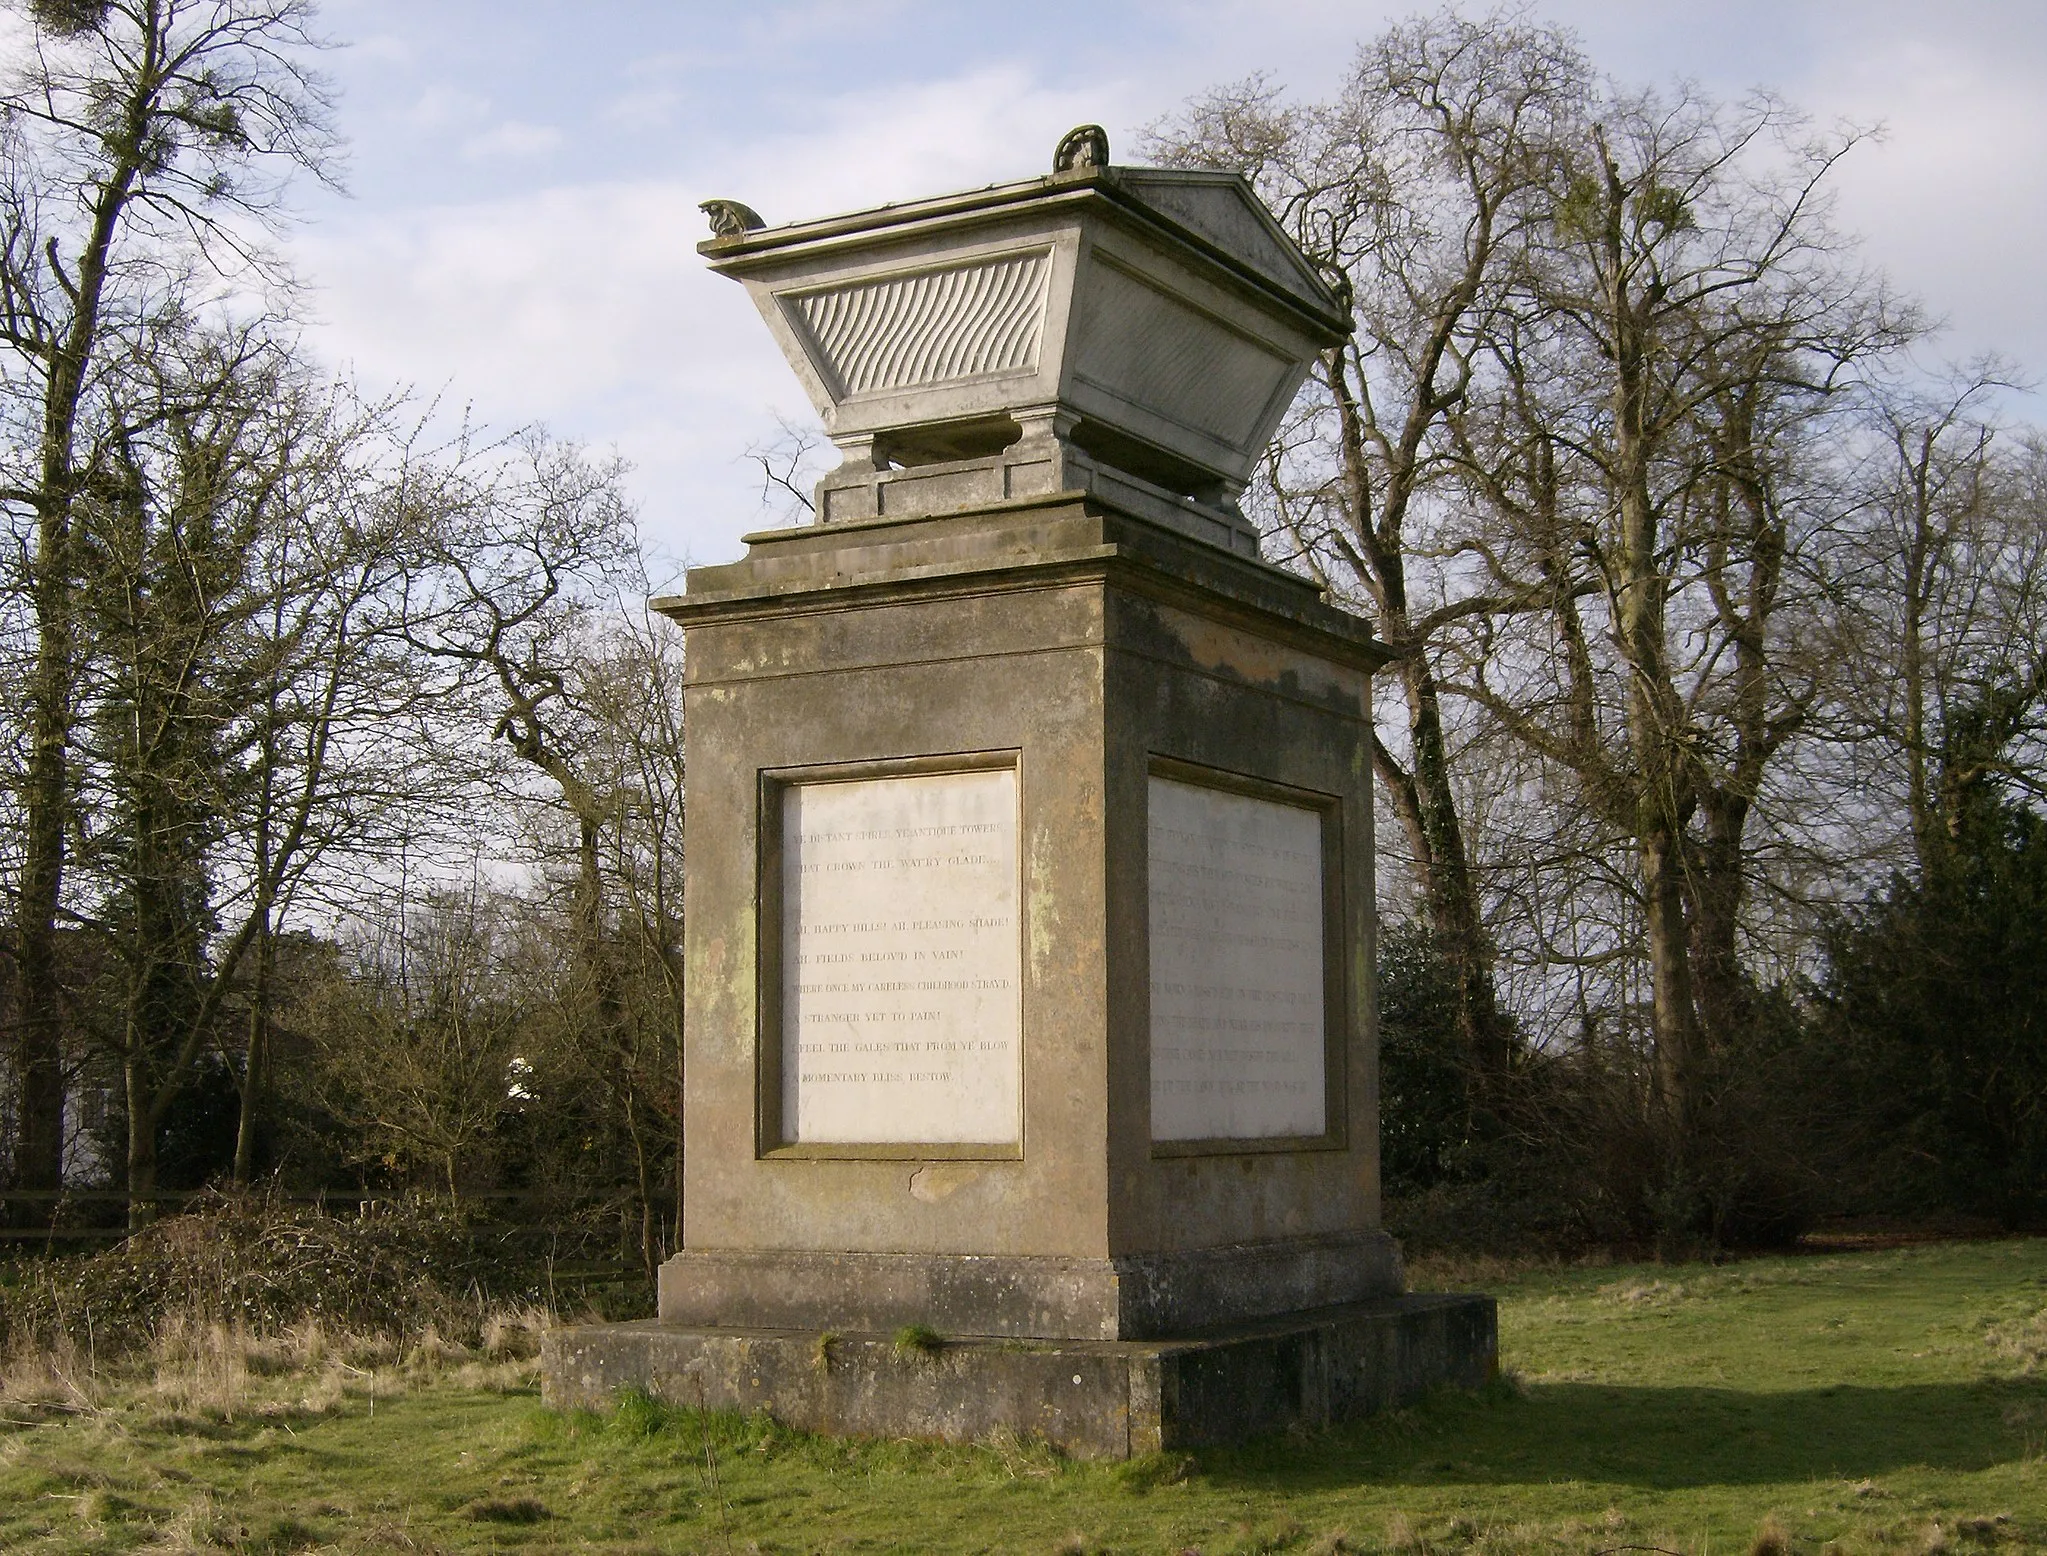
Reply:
x=774, y=1130
x=1338, y=1024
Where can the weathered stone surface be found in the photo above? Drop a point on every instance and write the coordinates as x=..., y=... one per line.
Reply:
x=1127, y=1297
x=1080, y=648
x=1135, y=333
x=1239, y=895
x=1093, y=1399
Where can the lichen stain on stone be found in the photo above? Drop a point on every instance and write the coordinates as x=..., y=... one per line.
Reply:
x=1043, y=915
x=707, y=964
x=1258, y=661
x=708, y=971
x=941, y=1180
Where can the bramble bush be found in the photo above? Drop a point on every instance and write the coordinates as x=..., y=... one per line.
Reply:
x=256, y=1264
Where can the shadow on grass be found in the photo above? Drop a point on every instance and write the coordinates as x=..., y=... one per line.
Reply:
x=1660, y=1439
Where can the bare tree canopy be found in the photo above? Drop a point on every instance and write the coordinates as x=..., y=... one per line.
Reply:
x=1632, y=465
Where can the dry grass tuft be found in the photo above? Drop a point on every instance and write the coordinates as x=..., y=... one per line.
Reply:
x=1640, y=1293
x=1028, y=1456
x=198, y=1368
x=195, y=1528
x=513, y=1333
x=2021, y=1341
x=1771, y=1539
x=514, y=1510
x=38, y=1381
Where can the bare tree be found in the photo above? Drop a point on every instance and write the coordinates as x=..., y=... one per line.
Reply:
x=1942, y=569
x=342, y=728
x=532, y=577
x=541, y=541
x=419, y=1040
x=1656, y=400
x=143, y=144
x=252, y=705
x=1417, y=189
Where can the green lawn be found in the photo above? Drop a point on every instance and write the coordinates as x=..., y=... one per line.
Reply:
x=1887, y=1401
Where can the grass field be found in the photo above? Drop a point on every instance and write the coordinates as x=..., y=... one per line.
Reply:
x=1874, y=1401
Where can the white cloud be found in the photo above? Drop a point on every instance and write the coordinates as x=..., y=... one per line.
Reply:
x=1953, y=200
x=443, y=107
x=588, y=306
x=512, y=139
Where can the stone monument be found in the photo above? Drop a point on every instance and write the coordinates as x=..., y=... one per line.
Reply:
x=1030, y=1059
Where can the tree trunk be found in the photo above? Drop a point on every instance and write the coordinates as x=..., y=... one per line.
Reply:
x=39, y=1025
x=141, y=1140
x=1422, y=793
x=1663, y=795
x=1927, y=835
x=1450, y=890
x=643, y=1184
x=39, y=1010
x=1716, y=884
x=1670, y=971
x=257, y=1061
x=46, y=796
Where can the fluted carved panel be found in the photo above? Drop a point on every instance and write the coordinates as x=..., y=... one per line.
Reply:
x=1154, y=351
x=933, y=327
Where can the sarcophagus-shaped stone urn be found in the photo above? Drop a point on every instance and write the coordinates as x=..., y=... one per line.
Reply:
x=1136, y=333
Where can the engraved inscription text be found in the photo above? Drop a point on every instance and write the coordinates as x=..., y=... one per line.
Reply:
x=901, y=960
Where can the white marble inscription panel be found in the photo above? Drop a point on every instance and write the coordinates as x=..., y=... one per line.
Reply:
x=901, y=960
x=1237, y=992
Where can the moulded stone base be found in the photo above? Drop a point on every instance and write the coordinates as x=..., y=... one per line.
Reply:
x=1030, y=469
x=1126, y=1297
x=1090, y=1398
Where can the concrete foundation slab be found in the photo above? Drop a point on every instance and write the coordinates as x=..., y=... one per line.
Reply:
x=1108, y=1399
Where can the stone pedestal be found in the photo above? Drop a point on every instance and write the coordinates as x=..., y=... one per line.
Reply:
x=1087, y=659
x=1029, y=901
x=1128, y=1296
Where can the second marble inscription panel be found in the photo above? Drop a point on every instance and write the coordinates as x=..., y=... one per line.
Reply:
x=1237, y=989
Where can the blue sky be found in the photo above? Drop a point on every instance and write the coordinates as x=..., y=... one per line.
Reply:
x=521, y=225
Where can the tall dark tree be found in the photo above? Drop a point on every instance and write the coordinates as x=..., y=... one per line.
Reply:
x=164, y=547
x=1937, y=989
x=144, y=141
